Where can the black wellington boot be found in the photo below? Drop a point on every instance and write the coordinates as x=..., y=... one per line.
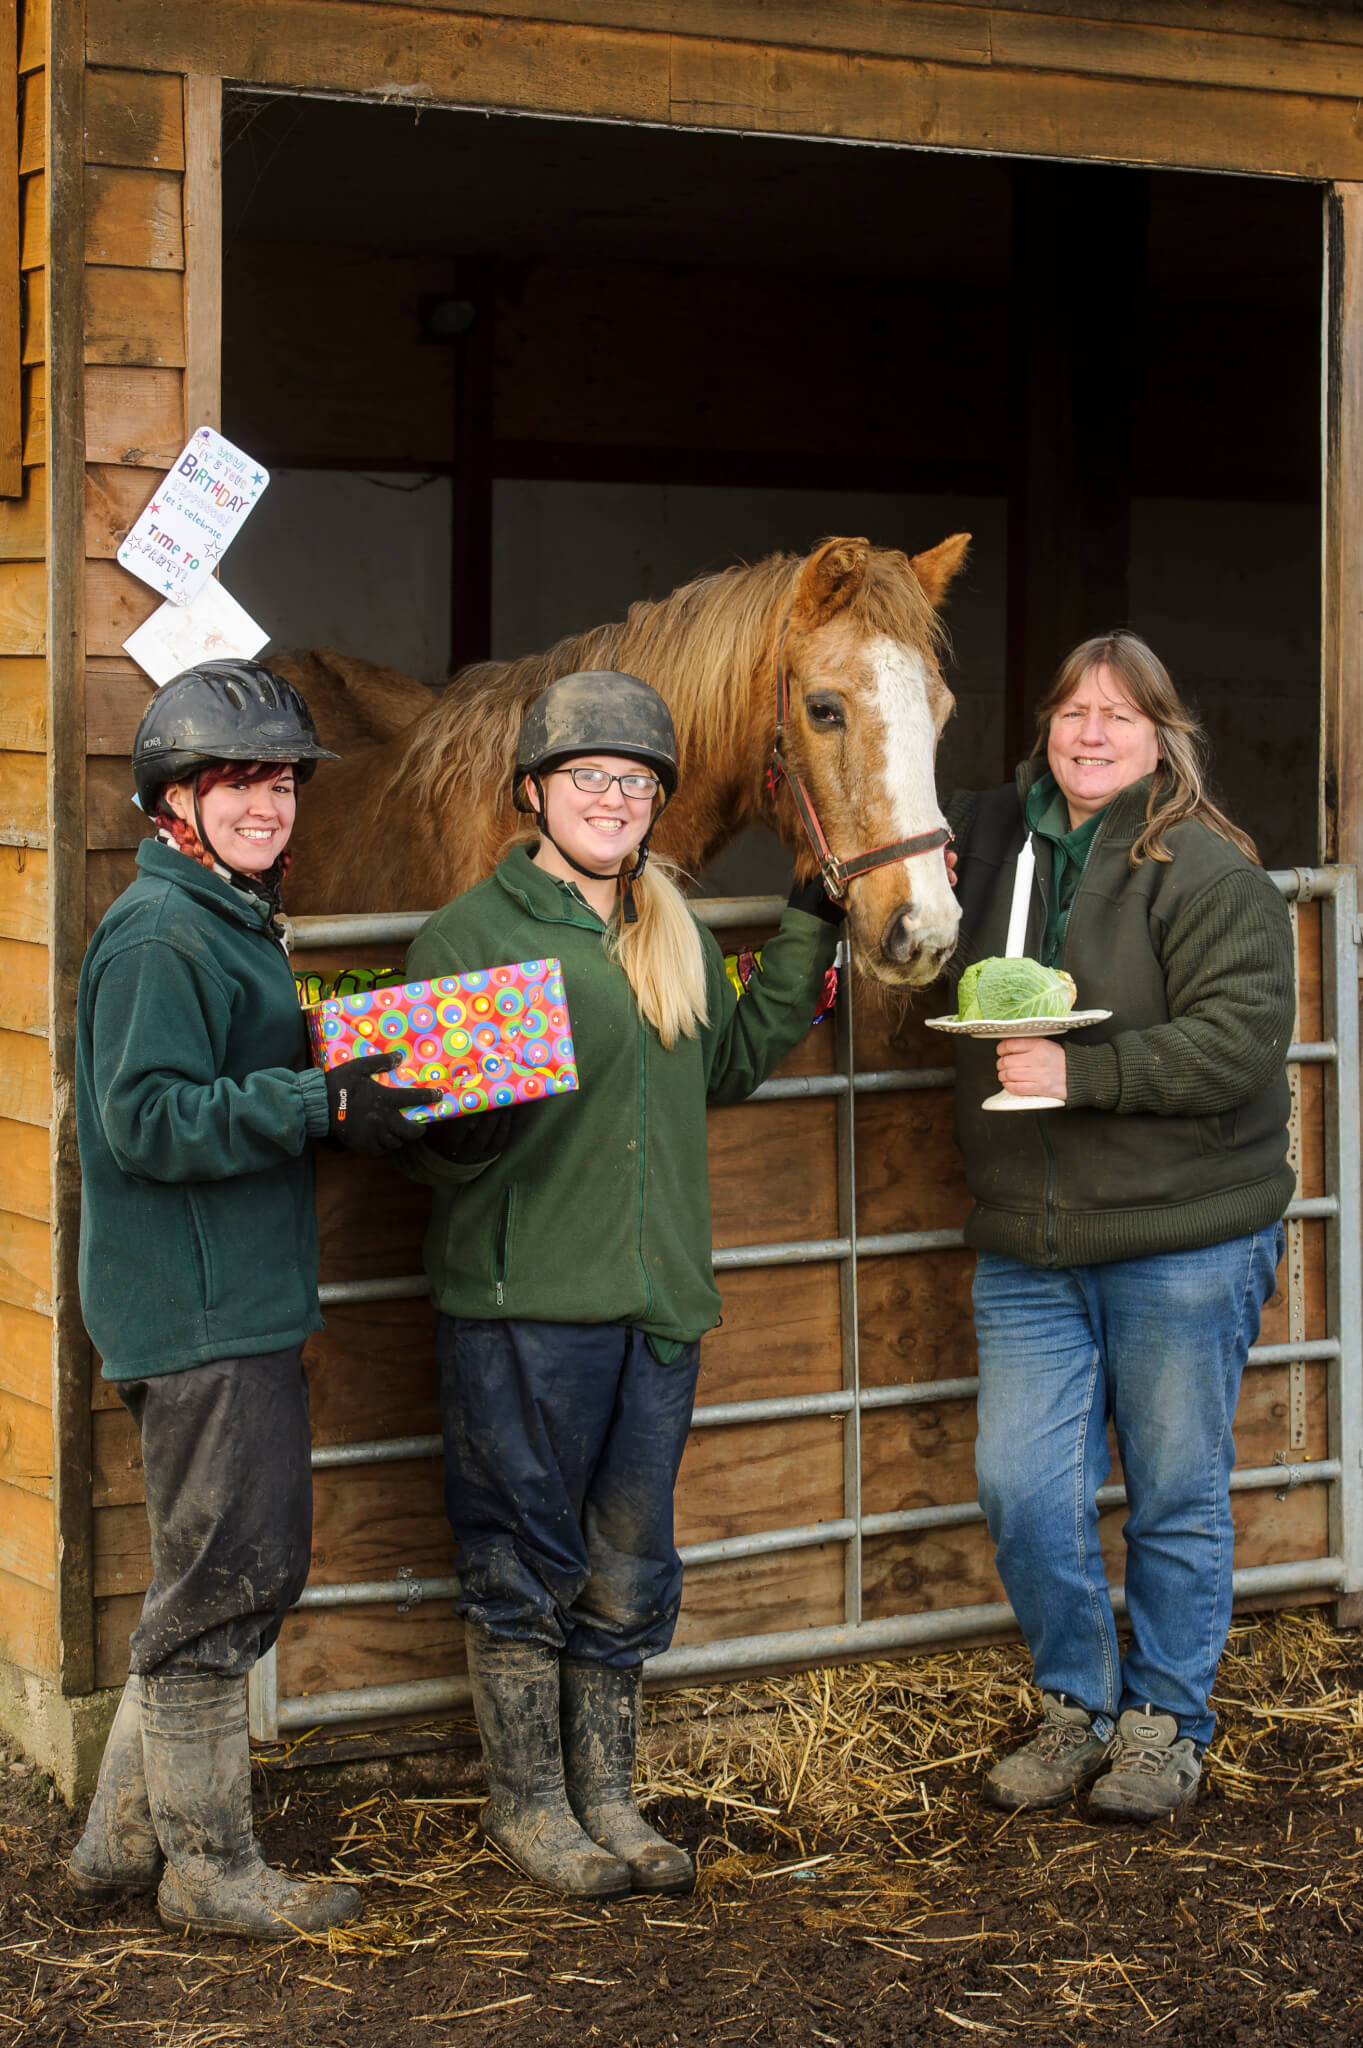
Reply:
x=600, y=1738
x=199, y=1782
x=118, y=1852
x=516, y=1699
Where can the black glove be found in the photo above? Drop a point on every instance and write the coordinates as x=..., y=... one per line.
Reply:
x=812, y=896
x=365, y=1116
x=470, y=1140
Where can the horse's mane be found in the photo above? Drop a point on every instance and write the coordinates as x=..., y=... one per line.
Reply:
x=698, y=648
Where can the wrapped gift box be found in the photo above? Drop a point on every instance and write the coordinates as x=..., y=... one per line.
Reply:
x=486, y=1040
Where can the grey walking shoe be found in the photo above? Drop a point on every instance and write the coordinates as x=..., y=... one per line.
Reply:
x=516, y=1699
x=1153, y=1771
x=118, y=1852
x=600, y=1739
x=1065, y=1754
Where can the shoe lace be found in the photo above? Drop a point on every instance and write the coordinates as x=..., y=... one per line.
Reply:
x=1141, y=1759
x=1055, y=1738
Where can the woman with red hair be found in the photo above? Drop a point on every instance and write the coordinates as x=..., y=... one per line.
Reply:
x=195, y=1109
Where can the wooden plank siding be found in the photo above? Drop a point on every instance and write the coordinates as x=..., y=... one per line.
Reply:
x=1003, y=79
x=27, y=1523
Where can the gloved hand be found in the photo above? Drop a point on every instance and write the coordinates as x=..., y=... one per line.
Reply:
x=470, y=1140
x=366, y=1116
x=812, y=896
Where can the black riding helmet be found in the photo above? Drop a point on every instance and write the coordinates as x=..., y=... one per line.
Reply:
x=222, y=711
x=597, y=711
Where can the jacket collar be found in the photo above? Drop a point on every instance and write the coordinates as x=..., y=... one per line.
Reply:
x=201, y=883
x=543, y=895
x=1123, y=819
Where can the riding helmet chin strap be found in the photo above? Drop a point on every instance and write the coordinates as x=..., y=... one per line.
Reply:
x=628, y=913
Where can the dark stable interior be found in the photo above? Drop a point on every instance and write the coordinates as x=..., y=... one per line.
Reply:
x=593, y=360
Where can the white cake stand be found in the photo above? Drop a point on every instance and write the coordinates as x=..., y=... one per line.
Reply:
x=1018, y=1027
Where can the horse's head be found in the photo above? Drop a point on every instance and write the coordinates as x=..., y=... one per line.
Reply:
x=866, y=707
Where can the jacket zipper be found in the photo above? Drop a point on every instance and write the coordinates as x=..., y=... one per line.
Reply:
x=503, y=1241
x=643, y=1135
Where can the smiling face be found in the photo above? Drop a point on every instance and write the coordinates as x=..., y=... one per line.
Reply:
x=1099, y=743
x=600, y=830
x=247, y=824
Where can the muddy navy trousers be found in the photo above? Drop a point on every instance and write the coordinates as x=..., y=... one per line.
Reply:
x=227, y=1458
x=562, y=1446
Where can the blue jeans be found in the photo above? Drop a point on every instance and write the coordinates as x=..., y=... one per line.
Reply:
x=562, y=1446
x=1157, y=1347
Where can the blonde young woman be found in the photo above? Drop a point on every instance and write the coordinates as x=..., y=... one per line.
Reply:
x=1128, y=1241
x=569, y=1261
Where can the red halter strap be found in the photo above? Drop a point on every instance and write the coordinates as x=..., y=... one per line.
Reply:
x=837, y=874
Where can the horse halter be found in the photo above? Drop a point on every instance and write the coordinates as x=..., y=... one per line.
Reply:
x=837, y=874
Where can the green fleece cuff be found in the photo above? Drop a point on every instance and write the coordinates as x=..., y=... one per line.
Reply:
x=316, y=1110
x=1092, y=1077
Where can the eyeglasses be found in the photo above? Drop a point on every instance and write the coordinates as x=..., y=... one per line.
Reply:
x=596, y=781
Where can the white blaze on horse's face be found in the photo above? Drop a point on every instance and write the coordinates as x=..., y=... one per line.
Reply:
x=920, y=932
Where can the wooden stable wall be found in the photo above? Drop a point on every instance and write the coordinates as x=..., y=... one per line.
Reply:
x=773, y=1177
x=121, y=260
x=127, y=196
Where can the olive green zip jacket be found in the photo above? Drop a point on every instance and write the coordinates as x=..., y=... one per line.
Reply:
x=195, y=1104
x=598, y=1210
x=1174, y=1133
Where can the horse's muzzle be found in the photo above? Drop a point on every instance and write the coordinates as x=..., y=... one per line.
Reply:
x=915, y=952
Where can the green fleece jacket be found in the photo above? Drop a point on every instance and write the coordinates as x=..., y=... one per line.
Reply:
x=598, y=1210
x=1174, y=1133
x=195, y=1103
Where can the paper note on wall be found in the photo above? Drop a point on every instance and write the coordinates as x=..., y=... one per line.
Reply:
x=194, y=517
x=214, y=628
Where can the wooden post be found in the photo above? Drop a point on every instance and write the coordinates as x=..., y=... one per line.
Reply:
x=471, y=540
x=71, y=1362
x=203, y=253
x=1341, y=764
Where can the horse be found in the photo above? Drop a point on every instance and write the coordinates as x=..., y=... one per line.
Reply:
x=806, y=691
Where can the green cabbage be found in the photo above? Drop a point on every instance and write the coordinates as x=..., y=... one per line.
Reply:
x=1005, y=990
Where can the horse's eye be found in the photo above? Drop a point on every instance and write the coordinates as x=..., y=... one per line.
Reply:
x=824, y=713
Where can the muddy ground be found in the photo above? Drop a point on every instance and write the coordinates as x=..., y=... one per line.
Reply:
x=853, y=1889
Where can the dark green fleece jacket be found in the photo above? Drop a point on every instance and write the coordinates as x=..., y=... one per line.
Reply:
x=195, y=1103
x=1174, y=1133
x=598, y=1210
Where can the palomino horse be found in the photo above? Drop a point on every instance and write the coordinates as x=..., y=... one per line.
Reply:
x=844, y=639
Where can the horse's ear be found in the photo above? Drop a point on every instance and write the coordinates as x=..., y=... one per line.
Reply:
x=829, y=580
x=936, y=568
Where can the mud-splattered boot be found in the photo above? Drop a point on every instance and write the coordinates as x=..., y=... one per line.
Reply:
x=199, y=1783
x=118, y=1852
x=516, y=1699
x=600, y=1737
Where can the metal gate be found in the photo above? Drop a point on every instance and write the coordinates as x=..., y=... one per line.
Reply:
x=1341, y=1350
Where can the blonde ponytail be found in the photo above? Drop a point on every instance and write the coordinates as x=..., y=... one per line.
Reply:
x=663, y=956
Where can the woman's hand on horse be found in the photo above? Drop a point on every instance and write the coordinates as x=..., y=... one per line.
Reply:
x=366, y=1116
x=1033, y=1066
x=950, y=859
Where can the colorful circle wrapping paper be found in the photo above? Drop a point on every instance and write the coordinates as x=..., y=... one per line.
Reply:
x=487, y=1040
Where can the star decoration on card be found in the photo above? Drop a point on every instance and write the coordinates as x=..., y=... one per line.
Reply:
x=256, y=479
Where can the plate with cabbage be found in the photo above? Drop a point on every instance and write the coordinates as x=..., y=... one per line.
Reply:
x=1016, y=998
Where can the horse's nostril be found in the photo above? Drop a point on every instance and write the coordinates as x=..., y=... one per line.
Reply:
x=897, y=940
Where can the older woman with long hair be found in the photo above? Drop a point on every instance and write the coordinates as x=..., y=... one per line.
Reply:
x=1128, y=1240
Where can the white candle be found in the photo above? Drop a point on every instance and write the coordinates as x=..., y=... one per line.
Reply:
x=1022, y=896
